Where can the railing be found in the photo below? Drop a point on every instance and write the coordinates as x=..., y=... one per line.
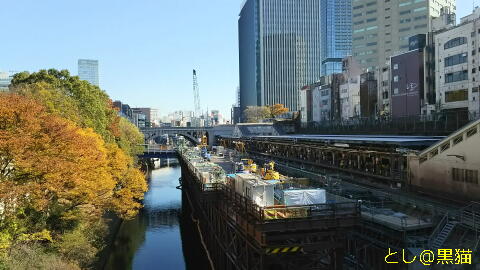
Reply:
x=152, y=148
x=438, y=229
x=470, y=216
x=310, y=211
x=436, y=124
x=382, y=212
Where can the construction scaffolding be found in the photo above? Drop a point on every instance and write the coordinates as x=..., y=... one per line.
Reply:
x=240, y=234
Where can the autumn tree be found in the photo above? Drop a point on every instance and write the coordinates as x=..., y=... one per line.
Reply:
x=277, y=109
x=72, y=98
x=54, y=173
x=255, y=114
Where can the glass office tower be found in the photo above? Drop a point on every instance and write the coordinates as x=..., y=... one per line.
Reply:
x=280, y=47
x=336, y=18
x=88, y=71
x=279, y=50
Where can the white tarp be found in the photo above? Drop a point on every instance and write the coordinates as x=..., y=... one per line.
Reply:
x=304, y=196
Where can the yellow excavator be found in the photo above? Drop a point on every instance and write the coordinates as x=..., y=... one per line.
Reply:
x=269, y=173
x=249, y=165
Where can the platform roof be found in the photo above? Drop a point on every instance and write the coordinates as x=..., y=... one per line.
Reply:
x=398, y=141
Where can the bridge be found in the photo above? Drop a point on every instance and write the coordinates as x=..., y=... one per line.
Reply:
x=193, y=134
x=190, y=133
x=158, y=151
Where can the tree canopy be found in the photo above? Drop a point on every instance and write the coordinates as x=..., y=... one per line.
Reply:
x=66, y=158
x=72, y=98
x=255, y=114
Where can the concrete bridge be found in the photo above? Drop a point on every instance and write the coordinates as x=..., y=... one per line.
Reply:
x=193, y=134
x=158, y=151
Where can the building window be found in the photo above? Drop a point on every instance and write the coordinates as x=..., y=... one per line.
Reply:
x=371, y=11
x=359, y=22
x=456, y=76
x=371, y=20
x=404, y=4
x=474, y=52
x=395, y=78
x=404, y=29
x=420, y=9
x=371, y=3
x=421, y=26
x=420, y=17
x=395, y=91
x=357, y=15
x=457, y=95
x=456, y=59
x=474, y=70
x=372, y=28
x=464, y=175
x=455, y=42
x=405, y=12
x=358, y=7
x=395, y=66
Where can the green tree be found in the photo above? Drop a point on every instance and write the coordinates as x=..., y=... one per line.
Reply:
x=72, y=98
x=130, y=138
x=255, y=114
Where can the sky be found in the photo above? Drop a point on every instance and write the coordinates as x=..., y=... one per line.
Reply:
x=146, y=48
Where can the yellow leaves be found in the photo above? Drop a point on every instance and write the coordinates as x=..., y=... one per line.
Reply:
x=278, y=109
x=52, y=159
x=130, y=183
x=42, y=236
x=49, y=164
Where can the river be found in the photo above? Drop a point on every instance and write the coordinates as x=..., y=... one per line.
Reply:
x=162, y=232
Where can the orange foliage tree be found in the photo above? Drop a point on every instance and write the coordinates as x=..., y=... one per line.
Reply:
x=277, y=109
x=52, y=167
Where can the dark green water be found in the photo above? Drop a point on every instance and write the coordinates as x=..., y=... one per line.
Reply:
x=158, y=236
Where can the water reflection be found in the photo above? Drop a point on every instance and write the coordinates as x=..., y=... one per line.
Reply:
x=152, y=240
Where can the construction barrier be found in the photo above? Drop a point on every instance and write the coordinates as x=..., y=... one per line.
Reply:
x=281, y=250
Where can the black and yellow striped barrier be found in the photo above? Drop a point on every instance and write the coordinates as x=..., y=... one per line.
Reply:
x=281, y=250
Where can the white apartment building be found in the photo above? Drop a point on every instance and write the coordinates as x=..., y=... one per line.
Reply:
x=457, y=51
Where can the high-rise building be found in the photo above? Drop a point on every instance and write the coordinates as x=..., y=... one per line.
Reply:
x=279, y=50
x=382, y=28
x=88, y=71
x=336, y=34
x=5, y=80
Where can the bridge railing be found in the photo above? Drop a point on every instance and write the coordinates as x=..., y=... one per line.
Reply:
x=156, y=148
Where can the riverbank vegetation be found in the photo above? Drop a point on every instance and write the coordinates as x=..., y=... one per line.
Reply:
x=66, y=159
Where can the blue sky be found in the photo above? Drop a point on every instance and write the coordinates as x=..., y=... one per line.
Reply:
x=146, y=48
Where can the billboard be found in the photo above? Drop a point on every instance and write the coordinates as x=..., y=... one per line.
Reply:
x=407, y=83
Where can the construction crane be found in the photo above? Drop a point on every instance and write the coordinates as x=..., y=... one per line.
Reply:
x=196, y=95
